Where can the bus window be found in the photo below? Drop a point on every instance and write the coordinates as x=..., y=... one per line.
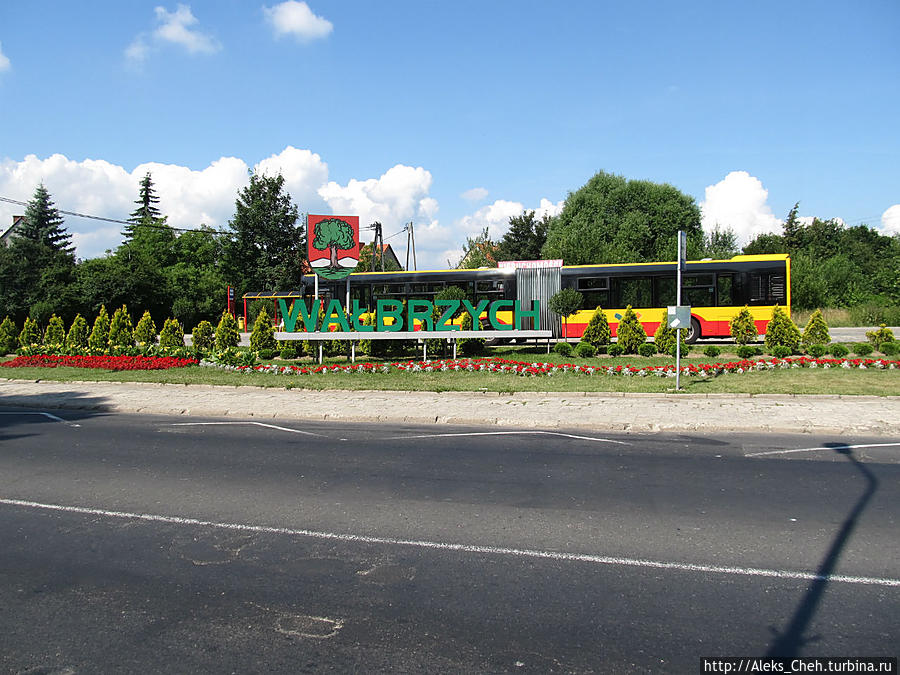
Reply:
x=362, y=293
x=725, y=287
x=665, y=291
x=594, y=291
x=697, y=290
x=767, y=289
x=635, y=291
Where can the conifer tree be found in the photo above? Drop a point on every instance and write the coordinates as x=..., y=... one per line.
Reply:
x=145, y=332
x=664, y=338
x=146, y=213
x=630, y=334
x=43, y=223
x=121, y=330
x=203, y=336
x=816, y=331
x=743, y=327
x=99, y=338
x=781, y=331
x=227, y=332
x=263, y=335
x=172, y=334
x=78, y=334
x=8, y=336
x=56, y=332
x=31, y=333
x=597, y=332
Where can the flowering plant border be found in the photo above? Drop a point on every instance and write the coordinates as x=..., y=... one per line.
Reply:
x=537, y=369
x=102, y=362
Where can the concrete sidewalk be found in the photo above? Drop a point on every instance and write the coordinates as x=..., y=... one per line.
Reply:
x=860, y=415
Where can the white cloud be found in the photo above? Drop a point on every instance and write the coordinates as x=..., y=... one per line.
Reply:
x=890, y=220
x=188, y=197
x=739, y=201
x=4, y=60
x=392, y=199
x=297, y=19
x=177, y=28
x=475, y=194
x=548, y=208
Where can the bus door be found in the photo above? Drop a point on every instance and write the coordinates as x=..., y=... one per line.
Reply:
x=541, y=284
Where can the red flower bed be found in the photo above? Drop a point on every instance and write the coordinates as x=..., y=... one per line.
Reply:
x=103, y=362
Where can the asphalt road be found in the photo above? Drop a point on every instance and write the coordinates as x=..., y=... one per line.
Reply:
x=153, y=544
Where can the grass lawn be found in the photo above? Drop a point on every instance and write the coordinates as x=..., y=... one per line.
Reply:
x=788, y=381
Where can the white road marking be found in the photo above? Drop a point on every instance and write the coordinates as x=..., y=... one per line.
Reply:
x=510, y=433
x=259, y=424
x=836, y=447
x=465, y=548
x=45, y=414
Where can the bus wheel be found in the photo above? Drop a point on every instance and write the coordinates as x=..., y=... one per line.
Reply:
x=693, y=333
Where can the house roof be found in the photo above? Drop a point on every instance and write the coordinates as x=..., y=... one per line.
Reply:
x=16, y=221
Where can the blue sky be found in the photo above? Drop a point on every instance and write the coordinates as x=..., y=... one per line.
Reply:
x=451, y=115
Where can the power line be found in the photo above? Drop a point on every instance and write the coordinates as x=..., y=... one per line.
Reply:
x=111, y=220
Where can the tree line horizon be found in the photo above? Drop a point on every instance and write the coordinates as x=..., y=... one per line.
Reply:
x=610, y=219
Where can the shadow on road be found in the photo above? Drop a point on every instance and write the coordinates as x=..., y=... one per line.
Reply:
x=18, y=413
x=793, y=639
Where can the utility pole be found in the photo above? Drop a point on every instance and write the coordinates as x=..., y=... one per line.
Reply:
x=377, y=244
x=410, y=243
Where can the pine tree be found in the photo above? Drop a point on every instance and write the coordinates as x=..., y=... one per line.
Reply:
x=56, y=332
x=121, y=330
x=99, y=338
x=8, y=336
x=43, y=223
x=630, y=333
x=31, y=333
x=263, y=335
x=172, y=334
x=78, y=334
x=146, y=212
x=781, y=331
x=203, y=336
x=792, y=228
x=597, y=332
x=743, y=327
x=227, y=332
x=664, y=338
x=145, y=332
x=816, y=331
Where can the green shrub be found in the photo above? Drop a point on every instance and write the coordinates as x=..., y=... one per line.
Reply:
x=597, y=332
x=647, y=349
x=203, y=336
x=664, y=339
x=55, y=334
x=77, y=339
x=8, y=337
x=816, y=351
x=602, y=349
x=630, y=333
x=862, y=349
x=99, y=338
x=585, y=350
x=563, y=348
x=247, y=358
x=685, y=350
x=615, y=349
x=145, y=333
x=712, y=351
x=781, y=351
x=838, y=351
x=882, y=334
x=873, y=314
x=288, y=354
x=890, y=348
x=782, y=332
x=816, y=331
x=172, y=334
x=746, y=351
x=31, y=333
x=743, y=328
x=227, y=334
x=266, y=354
x=263, y=335
x=231, y=356
x=121, y=330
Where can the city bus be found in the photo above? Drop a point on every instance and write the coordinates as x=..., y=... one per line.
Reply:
x=716, y=290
